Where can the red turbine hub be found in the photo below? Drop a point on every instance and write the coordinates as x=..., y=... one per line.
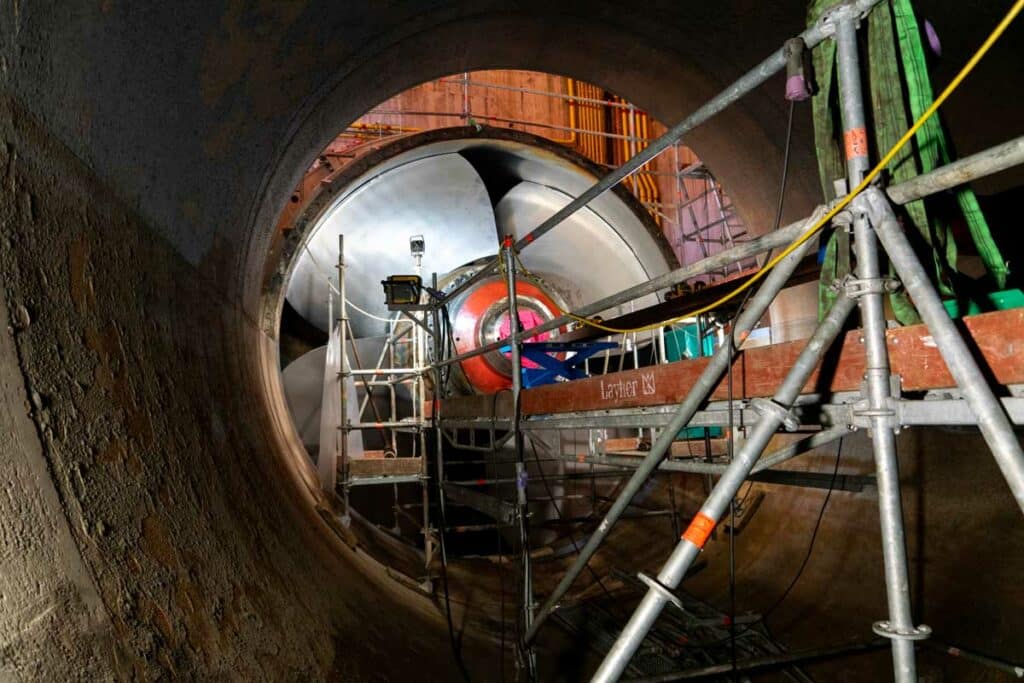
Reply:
x=482, y=318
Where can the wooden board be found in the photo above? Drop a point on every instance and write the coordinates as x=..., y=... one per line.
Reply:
x=379, y=467
x=997, y=338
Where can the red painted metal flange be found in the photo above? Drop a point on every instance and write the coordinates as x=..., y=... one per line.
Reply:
x=480, y=371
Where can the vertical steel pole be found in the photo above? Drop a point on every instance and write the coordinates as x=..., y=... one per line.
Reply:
x=878, y=390
x=877, y=384
x=435, y=339
x=343, y=350
x=438, y=438
x=421, y=427
x=509, y=256
x=327, y=460
x=774, y=413
x=851, y=97
x=993, y=422
x=329, y=481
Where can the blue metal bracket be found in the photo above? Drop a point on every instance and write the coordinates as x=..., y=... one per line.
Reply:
x=552, y=368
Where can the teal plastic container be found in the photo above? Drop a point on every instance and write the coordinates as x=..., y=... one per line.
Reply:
x=684, y=343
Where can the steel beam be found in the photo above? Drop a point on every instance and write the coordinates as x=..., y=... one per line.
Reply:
x=506, y=513
x=754, y=78
x=950, y=412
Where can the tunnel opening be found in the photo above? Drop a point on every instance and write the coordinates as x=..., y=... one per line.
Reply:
x=390, y=177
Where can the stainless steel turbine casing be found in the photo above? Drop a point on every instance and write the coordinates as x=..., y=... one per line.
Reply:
x=462, y=190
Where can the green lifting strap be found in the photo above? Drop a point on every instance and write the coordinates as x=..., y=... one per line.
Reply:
x=890, y=120
x=893, y=39
x=920, y=95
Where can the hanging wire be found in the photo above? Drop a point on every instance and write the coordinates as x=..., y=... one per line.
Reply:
x=456, y=649
x=558, y=512
x=731, y=341
x=814, y=536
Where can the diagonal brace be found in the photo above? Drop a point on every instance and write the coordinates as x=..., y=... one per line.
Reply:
x=722, y=494
x=705, y=384
x=993, y=422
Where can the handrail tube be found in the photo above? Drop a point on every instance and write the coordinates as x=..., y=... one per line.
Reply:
x=987, y=162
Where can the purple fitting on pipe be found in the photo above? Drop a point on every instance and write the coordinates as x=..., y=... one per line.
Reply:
x=797, y=88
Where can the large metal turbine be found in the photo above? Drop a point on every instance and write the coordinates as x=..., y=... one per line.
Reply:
x=463, y=190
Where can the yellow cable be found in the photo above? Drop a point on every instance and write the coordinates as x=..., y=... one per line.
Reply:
x=953, y=85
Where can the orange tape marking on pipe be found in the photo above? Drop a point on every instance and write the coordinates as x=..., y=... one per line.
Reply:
x=856, y=143
x=699, y=530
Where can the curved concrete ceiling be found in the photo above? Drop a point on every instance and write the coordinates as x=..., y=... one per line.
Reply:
x=157, y=518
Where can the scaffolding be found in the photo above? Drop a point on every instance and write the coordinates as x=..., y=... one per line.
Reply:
x=402, y=361
x=877, y=399
x=715, y=229
x=882, y=387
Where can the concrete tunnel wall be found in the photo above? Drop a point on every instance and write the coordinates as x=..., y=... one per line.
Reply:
x=155, y=519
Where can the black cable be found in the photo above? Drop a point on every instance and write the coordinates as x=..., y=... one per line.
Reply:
x=731, y=341
x=743, y=498
x=732, y=515
x=524, y=541
x=449, y=340
x=729, y=441
x=501, y=592
x=558, y=511
x=814, y=536
x=456, y=650
x=672, y=501
x=785, y=167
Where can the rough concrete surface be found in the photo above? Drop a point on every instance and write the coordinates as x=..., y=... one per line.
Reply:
x=142, y=539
